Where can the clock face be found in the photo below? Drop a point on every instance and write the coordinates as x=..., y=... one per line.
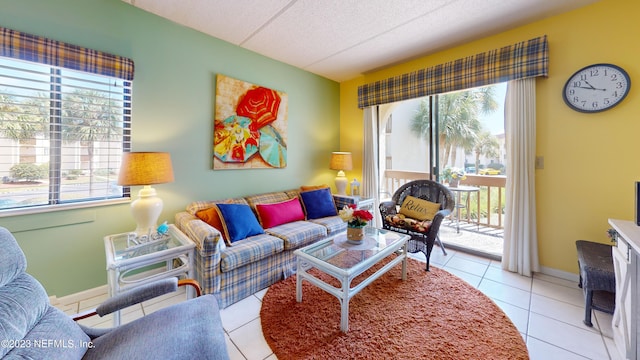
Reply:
x=596, y=88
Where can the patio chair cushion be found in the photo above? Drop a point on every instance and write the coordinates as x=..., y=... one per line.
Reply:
x=403, y=222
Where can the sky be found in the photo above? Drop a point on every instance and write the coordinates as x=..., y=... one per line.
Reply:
x=494, y=122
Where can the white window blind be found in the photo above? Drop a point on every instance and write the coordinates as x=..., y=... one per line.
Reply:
x=62, y=134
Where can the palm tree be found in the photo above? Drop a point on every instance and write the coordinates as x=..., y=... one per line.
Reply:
x=23, y=122
x=88, y=116
x=487, y=145
x=458, y=119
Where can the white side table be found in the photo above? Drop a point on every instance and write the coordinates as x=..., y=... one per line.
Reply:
x=360, y=202
x=176, y=253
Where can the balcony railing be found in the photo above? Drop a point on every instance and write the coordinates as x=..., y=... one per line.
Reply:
x=486, y=207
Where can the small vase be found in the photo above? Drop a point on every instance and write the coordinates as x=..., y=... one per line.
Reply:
x=454, y=182
x=355, y=234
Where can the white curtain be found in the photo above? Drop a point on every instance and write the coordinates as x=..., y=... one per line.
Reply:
x=370, y=182
x=520, y=253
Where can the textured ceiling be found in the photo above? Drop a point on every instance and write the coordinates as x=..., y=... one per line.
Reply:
x=342, y=39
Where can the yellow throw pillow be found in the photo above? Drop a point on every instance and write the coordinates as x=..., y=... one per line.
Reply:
x=419, y=209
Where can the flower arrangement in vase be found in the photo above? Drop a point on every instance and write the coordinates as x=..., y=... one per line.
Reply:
x=356, y=221
x=453, y=176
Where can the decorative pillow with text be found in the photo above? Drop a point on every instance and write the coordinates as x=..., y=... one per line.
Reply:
x=419, y=209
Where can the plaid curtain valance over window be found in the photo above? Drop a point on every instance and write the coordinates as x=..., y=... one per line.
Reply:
x=522, y=60
x=19, y=45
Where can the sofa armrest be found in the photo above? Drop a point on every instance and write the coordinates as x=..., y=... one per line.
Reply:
x=208, y=239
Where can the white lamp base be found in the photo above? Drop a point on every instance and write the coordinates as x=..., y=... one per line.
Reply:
x=341, y=183
x=146, y=211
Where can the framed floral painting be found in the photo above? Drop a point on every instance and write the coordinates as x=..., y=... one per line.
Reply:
x=250, y=126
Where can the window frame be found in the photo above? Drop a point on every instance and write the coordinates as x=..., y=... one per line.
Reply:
x=62, y=57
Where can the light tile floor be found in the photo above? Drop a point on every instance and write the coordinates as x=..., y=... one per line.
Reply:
x=548, y=311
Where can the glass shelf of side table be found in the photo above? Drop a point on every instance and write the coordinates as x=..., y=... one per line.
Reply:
x=126, y=264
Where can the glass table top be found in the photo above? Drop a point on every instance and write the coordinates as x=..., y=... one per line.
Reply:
x=124, y=249
x=339, y=253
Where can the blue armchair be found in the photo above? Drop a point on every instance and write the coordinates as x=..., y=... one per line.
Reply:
x=31, y=328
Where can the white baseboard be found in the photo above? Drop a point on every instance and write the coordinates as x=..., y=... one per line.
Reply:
x=82, y=295
x=560, y=274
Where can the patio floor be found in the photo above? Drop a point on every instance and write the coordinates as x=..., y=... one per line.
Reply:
x=479, y=240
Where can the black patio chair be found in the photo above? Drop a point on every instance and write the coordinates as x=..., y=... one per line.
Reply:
x=424, y=237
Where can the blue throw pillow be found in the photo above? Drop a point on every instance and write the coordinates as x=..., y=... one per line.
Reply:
x=318, y=203
x=239, y=221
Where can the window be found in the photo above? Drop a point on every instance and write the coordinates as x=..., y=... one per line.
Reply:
x=64, y=123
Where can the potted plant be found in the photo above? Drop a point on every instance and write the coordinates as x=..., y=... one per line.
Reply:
x=453, y=176
x=356, y=221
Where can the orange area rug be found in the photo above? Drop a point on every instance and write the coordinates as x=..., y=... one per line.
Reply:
x=432, y=315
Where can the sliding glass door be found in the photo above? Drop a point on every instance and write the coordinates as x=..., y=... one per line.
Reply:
x=451, y=137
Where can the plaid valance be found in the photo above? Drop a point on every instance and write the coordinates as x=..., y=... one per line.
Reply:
x=19, y=45
x=518, y=61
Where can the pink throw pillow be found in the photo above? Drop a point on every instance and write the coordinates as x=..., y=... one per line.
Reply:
x=275, y=214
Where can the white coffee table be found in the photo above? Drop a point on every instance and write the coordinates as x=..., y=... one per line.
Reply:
x=345, y=262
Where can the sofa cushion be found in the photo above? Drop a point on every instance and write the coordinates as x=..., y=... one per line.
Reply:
x=271, y=215
x=318, y=203
x=196, y=206
x=239, y=221
x=313, y=187
x=298, y=233
x=267, y=198
x=334, y=224
x=250, y=250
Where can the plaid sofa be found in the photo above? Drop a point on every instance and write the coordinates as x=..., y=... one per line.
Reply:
x=252, y=264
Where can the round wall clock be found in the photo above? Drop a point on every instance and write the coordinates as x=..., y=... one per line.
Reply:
x=596, y=88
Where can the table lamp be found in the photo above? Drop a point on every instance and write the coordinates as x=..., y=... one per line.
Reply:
x=341, y=161
x=145, y=168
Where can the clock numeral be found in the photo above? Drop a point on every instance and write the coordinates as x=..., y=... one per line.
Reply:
x=576, y=99
x=614, y=77
x=577, y=84
x=583, y=76
x=572, y=92
x=619, y=85
x=606, y=101
x=594, y=104
x=584, y=103
x=594, y=72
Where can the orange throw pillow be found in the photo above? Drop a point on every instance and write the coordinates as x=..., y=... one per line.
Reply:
x=313, y=187
x=212, y=217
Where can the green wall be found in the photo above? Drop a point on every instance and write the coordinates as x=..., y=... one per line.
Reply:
x=173, y=107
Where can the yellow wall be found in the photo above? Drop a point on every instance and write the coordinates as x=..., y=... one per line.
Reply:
x=591, y=160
